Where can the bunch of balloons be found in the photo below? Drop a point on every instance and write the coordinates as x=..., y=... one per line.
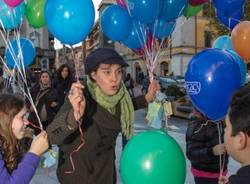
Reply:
x=152, y=157
x=207, y=79
x=230, y=12
x=132, y=23
x=70, y=21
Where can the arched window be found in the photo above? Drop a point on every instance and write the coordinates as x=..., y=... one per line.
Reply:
x=164, y=68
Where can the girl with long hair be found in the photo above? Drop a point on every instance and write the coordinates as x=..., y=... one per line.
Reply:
x=16, y=166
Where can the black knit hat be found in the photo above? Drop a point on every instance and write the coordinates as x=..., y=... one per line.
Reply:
x=102, y=56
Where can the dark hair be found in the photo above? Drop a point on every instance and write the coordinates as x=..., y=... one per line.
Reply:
x=11, y=147
x=93, y=70
x=60, y=69
x=239, y=113
x=44, y=71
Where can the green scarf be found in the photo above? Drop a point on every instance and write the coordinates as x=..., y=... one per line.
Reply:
x=110, y=102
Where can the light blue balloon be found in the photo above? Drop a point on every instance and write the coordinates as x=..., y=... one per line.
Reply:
x=115, y=23
x=70, y=21
x=145, y=11
x=137, y=36
x=162, y=29
x=26, y=48
x=10, y=17
x=172, y=9
x=223, y=42
x=241, y=64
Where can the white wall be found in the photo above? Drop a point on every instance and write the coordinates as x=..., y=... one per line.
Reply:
x=178, y=64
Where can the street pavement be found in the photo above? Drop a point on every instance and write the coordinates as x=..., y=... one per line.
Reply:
x=176, y=128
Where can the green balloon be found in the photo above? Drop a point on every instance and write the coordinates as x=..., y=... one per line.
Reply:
x=153, y=157
x=190, y=10
x=34, y=11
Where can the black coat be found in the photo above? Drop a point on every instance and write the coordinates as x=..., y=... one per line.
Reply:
x=62, y=88
x=95, y=161
x=40, y=98
x=200, y=143
x=241, y=177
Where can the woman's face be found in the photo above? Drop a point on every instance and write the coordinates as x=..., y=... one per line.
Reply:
x=19, y=123
x=65, y=72
x=45, y=78
x=108, y=77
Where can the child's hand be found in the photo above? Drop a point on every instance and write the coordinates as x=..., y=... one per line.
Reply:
x=152, y=89
x=39, y=144
x=223, y=180
x=219, y=149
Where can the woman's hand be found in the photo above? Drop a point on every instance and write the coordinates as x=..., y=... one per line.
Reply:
x=39, y=144
x=77, y=100
x=152, y=89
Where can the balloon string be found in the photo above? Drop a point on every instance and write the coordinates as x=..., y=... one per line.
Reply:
x=77, y=64
x=76, y=150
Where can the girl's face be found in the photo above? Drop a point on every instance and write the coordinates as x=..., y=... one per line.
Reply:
x=19, y=123
x=65, y=72
x=108, y=77
x=45, y=78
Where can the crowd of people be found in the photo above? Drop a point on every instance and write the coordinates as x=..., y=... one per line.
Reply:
x=92, y=113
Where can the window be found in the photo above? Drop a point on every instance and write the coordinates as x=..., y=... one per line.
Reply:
x=207, y=37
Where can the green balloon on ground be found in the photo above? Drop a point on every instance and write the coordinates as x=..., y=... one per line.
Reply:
x=34, y=11
x=153, y=157
x=190, y=10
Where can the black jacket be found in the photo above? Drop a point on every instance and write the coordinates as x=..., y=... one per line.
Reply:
x=95, y=161
x=62, y=88
x=241, y=177
x=40, y=98
x=200, y=141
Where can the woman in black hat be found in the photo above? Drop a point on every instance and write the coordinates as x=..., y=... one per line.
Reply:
x=103, y=107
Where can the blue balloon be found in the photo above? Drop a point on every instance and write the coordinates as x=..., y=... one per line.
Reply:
x=19, y=48
x=172, y=9
x=11, y=17
x=137, y=36
x=115, y=23
x=241, y=64
x=162, y=29
x=145, y=11
x=70, y=21
x=211, y=79
x=228, y=7
x=223, y=42
x=231, y=21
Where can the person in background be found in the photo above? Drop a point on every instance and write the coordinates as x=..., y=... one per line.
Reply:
x=237, y=136
x=102, y=108
x=204, y=149
x=45, y=99
x=129, y=83
x=16, y=164
x=62, y=83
